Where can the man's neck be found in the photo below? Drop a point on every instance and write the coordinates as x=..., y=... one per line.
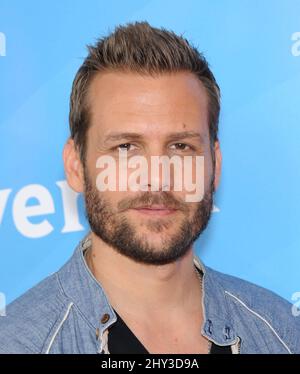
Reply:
x=135, y=288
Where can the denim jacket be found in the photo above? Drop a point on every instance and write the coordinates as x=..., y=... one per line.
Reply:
x=68, y=312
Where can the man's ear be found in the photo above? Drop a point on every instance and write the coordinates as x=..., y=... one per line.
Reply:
x=218, y=164
x=73, y=166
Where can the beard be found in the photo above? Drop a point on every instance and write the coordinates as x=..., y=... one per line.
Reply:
x=115, y=229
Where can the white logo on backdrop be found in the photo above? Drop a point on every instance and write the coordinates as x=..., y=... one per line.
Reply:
x=2, y=44
x=296, y=45
x=296, y=305
x=2, y=305
x=23, y=213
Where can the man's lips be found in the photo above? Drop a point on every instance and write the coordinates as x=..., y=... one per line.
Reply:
x=159, y=210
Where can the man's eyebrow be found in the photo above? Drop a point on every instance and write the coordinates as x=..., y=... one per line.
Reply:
x=171, y=137
x=122, y=135
x=186, y=135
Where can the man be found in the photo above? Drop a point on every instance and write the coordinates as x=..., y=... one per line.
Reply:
x=133, y=284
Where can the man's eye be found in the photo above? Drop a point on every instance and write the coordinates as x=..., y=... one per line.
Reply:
x=125, y=147
x=181, y=146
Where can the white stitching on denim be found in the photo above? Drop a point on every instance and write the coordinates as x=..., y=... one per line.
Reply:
x=262, y=318
x=59, y=327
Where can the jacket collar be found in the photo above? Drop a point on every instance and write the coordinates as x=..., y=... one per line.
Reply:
x=81, y=287
x=217, y=325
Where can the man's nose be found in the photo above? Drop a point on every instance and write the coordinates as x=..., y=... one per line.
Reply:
x=159, y=175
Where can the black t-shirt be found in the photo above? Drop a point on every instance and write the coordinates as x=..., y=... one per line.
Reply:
x=122, y=340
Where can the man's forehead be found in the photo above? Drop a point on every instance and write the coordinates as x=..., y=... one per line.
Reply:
x=159, y=108
x=129, y=93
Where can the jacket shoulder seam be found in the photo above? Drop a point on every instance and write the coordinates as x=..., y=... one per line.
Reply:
x=65, y=316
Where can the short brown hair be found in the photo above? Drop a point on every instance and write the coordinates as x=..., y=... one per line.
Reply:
x=141, y=48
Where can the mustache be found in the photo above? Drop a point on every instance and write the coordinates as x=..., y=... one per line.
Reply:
x=148, y=198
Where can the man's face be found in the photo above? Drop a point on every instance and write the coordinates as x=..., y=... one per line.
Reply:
x=146, y=116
